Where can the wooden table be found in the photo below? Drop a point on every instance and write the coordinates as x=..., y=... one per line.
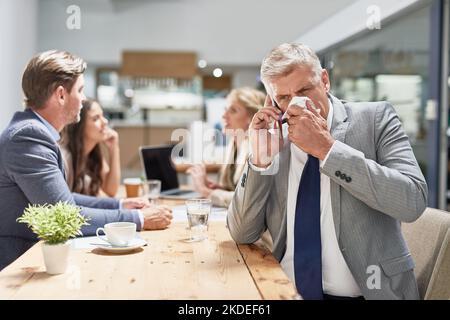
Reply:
x=168, y=268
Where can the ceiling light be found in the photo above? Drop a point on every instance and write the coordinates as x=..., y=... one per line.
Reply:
x=217, y=72
x=202, y=64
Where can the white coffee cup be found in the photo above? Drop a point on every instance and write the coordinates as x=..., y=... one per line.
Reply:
x=118, y=233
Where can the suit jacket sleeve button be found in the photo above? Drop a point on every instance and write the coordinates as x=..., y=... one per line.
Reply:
x=343, y=176
x=338, y=173
x=348, y=179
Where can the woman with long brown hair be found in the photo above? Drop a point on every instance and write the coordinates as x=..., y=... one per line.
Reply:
x=91, y=153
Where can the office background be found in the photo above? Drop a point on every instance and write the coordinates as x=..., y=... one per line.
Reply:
x=374, y=50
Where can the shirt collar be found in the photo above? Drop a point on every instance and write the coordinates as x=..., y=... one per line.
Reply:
x=53, y=131
x=330, y=115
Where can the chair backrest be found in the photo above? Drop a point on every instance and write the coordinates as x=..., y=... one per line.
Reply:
x=428, y=240
x=439, y=286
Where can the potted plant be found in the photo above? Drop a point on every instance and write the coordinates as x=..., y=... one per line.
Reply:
x=55, y=225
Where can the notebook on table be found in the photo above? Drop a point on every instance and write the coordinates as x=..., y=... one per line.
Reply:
x=157, y=164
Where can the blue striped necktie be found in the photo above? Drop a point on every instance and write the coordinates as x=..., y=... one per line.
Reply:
x=307, y=240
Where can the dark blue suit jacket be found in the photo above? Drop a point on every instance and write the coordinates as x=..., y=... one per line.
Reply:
x=31, y=171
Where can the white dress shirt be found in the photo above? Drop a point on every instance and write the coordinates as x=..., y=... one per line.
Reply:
x=337, y=279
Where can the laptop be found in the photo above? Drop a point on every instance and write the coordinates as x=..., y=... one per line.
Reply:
x=157, y=164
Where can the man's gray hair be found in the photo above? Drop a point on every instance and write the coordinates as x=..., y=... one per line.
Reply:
x=283, y=59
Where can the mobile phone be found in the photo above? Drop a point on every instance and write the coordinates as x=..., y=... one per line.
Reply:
x=275, y=104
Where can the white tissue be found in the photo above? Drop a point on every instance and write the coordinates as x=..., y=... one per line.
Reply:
x=297, y=102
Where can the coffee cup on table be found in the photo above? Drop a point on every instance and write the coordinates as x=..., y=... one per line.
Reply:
x=132, y=187
x=118, y=234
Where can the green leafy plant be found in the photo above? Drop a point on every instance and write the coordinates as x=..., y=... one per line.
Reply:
x=54, y=224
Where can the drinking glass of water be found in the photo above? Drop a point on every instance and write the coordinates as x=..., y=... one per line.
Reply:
x=198, y=211
x=153, y=190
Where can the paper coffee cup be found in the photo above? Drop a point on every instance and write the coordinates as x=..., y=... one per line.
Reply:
x=132, y=187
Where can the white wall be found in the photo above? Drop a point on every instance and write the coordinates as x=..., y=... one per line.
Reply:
x=231, y=32
x=17, y=46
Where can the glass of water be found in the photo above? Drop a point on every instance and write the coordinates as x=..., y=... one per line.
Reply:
x=198, y=211
x=153, y=190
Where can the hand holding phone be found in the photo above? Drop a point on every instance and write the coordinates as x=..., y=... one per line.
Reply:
x=266, y=138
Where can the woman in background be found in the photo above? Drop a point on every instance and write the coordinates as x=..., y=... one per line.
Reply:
x=91, y=153
x=242, y=104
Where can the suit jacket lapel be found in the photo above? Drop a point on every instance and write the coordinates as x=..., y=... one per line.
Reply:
x=338, y=130
x=241, y=160
x=283, y=175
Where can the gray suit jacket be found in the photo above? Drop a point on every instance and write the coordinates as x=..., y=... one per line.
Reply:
x=31, y=171
x=375, y=183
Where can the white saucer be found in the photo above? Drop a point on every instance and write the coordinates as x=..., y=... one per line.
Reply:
x=134, y=244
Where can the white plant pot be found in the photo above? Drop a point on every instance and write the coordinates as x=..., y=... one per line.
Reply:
x=56, y=257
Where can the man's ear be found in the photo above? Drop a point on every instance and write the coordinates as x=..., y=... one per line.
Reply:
x=60, y=95
x=326, y=80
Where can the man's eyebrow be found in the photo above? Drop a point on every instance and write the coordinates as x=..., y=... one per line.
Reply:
x=306, y=86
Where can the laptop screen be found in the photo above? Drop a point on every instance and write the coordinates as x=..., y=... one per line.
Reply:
x=157, y=164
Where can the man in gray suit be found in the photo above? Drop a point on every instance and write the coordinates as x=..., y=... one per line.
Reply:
x=31, y=165
x=332, y=189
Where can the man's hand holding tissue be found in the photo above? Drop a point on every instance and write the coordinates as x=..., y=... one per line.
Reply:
x=308, y=130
